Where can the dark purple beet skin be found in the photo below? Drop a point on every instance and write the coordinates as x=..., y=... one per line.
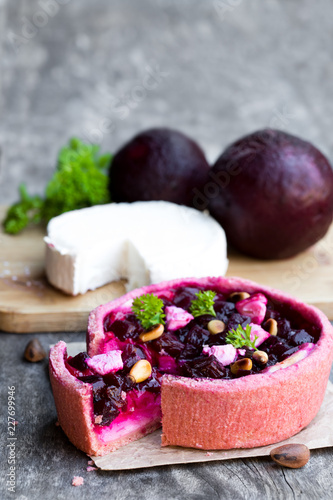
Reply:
x=158, y=164
x=274, y=196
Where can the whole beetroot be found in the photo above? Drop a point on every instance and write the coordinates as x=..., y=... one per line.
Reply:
x=274, y=194
x=158, y=164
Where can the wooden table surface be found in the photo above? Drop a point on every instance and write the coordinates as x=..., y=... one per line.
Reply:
x=103, y=71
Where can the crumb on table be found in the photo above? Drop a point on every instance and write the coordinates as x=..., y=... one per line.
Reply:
x=77, y=481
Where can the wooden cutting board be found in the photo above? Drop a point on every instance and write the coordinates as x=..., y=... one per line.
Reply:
x=29, y=304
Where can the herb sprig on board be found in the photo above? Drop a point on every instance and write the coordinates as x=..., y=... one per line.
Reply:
x=80, y=180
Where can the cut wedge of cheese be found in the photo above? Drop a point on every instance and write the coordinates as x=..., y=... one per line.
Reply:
x=143, y=242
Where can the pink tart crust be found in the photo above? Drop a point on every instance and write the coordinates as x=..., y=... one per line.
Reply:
x=246, y=412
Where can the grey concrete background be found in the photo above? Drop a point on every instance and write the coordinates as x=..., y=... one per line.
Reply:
x=222, y=68
x=105, y=70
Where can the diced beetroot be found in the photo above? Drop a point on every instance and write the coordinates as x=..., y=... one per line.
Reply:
x=184, y=297
x=176, y=317
x=111, y=318
x=105, y=412
x=254, y=307
x=77, y=365
x=110, y=362
x=79, y=362
x=202, y=320
x=114, y=379
x=235, y=320
x=167, y=295
x=151, y=384
x=223, y=308
x=167, y=364
x=197, y=336
x=131, y=355
x=204, y=367
x=128, y=328
x=277, y=350
x=225, y=354
x=168, y=343
x=189, y=352
x=284, y=328
x=301, y=337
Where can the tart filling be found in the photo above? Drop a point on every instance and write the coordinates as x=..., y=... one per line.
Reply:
x=204, y=340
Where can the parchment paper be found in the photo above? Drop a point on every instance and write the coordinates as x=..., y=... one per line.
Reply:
x=147, y=452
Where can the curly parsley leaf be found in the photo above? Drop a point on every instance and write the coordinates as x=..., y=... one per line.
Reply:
x=241, y=338
x=24, y=212
x=149, y=310
x=204, y=304
x=80, y=180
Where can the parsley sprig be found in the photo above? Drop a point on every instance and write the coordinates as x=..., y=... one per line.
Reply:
x=80, y=180
x=26, y=211
x=204, y=304
x=241, y=338
x=149, y=310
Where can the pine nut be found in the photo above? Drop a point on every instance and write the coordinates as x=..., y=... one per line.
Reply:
x=261, y=357
x=216, y=326
x=153, y=333
x=244, y=364
x=140, y=371
x=271, y=326
x=237, y=296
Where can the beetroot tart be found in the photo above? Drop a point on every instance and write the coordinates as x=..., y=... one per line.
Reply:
x=221, y=362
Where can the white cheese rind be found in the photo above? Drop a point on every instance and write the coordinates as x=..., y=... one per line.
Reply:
x=144, y=242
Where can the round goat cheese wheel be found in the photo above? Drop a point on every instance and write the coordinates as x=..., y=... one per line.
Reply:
x=143, y=242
